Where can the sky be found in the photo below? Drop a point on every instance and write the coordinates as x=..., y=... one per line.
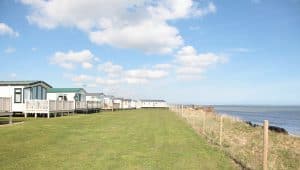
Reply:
x=200, y=52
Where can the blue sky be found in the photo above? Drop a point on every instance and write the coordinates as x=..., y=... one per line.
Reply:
x=204, y=52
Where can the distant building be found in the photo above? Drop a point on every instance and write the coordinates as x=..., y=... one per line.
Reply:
x=152, y=103
x=126, y=104
x=118, y=103
x=107, y=102
x=95, y=97
x=133, y=104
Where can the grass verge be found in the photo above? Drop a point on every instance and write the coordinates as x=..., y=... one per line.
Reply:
x=132, y=139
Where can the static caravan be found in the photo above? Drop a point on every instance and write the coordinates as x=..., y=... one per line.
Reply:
x=22, y=91
x=66, y=94
x=107, y=102
x=133, y=104
x=95, y=101
x=76, y=95
x=95, y=97
x=153, y=104
x=118, y=103
x=126, y=103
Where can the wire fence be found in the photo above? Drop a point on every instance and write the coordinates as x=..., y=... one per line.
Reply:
x=250, y=146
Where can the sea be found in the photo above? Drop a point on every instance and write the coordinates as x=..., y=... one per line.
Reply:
x=287, y=117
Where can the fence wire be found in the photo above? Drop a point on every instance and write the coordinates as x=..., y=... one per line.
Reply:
x=241, y=141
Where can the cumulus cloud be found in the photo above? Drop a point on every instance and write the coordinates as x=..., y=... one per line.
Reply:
x=112, y=70
x=164, y=66
x=144, y=75
x=70, y=59
x=136, y=24
x=82, y=78
x=191, y=64
x=116, y=75
x=6, y=30
x=108, y=81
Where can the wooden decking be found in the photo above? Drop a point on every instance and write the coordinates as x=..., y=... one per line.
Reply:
x=5, y=108
x=49, y=107
x=52, y=107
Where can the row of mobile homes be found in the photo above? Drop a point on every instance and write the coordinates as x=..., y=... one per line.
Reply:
x=39, y=98
x=111, y=102
x=152, y=104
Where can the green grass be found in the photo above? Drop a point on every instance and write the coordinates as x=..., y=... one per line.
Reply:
x=134, y=139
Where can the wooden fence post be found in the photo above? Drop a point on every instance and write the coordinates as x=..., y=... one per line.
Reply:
x=266, y=143
x=221, y=130
x=182, y=110
x=203, y=123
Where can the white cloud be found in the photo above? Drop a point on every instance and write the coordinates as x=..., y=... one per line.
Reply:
x=86, y=65
x=136, y=24
x=82, y=78
x=116, y=75
x=211, y=8
x=108, y=81
x=70, y=59
x=112, y=70
x=9, y=50
x=144, y=75
x=148, y=36
x=6, y=30
x=192, y=64
x=163, y=66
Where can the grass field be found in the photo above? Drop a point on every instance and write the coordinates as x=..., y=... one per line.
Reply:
x=133, y=139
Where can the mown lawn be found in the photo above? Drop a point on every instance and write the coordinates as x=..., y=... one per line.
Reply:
x=133, y=139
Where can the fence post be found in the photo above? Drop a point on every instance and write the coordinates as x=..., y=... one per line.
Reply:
x=182, y=110
x=203, y=123
x=221, y=130
x=266, y=143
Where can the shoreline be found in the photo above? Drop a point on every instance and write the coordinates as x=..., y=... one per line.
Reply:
x=255, y=124
x=239, y=116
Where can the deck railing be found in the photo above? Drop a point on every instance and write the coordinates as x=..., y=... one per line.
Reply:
x=52, y=107
x=37, y=106
x=61, y=106
x=5, y=104
x=94, y=105
x=80, y=105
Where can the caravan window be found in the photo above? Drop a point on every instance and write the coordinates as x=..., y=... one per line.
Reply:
x=44, y=94
x=34, y=92
x=26, y=94
x=18, y=95
x=39, y=92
